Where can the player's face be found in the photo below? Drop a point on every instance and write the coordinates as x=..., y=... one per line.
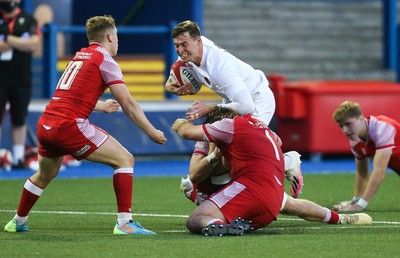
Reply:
x=188, y=48
x=354, y=128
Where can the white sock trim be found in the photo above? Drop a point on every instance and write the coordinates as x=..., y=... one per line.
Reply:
x=123, y=170
x=327, y=216
x=213, y=221
x=20, y=220
x=124, y=217
x=33, y=188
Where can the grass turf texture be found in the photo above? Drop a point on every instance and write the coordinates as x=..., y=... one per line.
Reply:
x=156, y=204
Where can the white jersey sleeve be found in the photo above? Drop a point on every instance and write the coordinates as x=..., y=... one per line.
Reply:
x=382, y=133
x=110, y=70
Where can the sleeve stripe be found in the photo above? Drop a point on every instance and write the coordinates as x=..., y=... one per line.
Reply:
x=206, y=134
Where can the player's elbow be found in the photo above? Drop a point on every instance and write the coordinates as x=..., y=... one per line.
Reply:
x=246, y=108
x=252, y=109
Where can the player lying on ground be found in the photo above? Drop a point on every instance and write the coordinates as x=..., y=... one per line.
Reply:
x=255, y=193
x=376, y=137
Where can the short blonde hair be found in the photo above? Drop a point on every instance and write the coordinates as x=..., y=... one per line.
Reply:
x=347, y=110
x=97, y=26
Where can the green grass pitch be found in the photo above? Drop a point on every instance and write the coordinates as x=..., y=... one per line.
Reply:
x=75, y=218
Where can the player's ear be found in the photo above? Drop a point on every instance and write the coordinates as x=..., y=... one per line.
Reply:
x=109, y=38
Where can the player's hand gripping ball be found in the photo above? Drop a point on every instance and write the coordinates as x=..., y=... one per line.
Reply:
x=182, y=74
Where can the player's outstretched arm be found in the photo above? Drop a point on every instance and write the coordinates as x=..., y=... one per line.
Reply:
x=381, y=161
x=187, y=130
x=135, y=113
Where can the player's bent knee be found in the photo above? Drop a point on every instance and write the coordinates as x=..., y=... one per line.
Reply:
x=124, y=159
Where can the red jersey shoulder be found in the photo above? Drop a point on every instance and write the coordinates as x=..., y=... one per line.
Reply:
x=89, y=54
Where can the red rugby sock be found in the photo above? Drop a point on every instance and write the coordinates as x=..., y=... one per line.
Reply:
x=123, y=186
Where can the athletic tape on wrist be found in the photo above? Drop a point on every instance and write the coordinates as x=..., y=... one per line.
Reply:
x=211, y=158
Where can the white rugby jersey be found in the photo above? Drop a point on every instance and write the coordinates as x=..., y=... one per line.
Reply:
x=243, y=88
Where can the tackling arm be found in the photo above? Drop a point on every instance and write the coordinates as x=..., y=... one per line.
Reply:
x=202, y=167
x=187, y=130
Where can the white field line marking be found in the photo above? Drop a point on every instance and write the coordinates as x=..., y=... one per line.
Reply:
x=170, y=216
x=101, y=213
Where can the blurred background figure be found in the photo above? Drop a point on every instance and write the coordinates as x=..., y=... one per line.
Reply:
x=19, y=37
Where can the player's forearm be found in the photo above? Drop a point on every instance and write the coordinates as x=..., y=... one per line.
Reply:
x=360, y=183
x=241, y=102
x=137, y=116
x=361, y=178
x=184, y=130
x=200, y=170
x=24, y=45
x=373, y=184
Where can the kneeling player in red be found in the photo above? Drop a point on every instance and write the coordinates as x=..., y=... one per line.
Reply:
x=255, y=193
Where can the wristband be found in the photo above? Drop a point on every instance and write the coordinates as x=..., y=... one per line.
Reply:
x=363, y=203
x=211, y=159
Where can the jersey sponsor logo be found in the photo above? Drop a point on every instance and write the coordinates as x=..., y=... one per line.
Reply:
x=83, y=55
x=81, y=151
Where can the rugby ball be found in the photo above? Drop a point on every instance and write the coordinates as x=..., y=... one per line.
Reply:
x=181, y=73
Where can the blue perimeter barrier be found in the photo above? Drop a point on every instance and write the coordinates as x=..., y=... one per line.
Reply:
x=175, y=168
x=160, y=114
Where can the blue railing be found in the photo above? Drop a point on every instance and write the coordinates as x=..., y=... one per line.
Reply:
x=50, y=59
x=390, y=37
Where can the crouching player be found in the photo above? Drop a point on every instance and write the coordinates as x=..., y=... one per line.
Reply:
x=375, y=137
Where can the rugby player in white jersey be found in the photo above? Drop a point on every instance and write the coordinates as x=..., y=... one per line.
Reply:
x=243, y=89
